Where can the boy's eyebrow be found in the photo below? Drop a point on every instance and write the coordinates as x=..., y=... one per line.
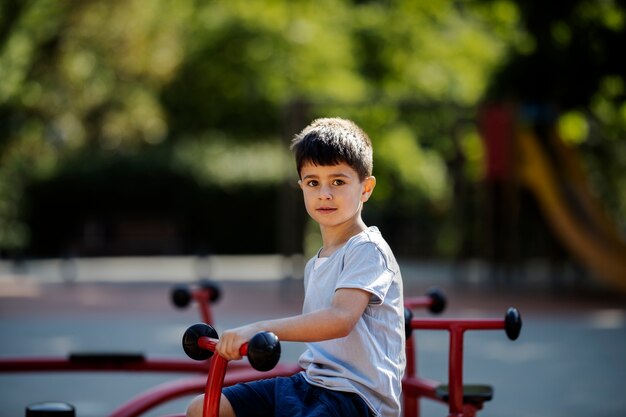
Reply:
x=338, y=174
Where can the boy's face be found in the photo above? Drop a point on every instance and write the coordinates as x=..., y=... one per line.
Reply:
x=334, y=194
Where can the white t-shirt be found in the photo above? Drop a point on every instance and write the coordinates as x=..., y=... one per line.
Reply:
x=370, y=361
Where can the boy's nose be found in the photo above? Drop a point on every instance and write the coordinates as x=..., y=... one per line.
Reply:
x=325, y=193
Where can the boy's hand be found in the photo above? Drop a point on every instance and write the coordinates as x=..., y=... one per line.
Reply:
x=231, y=340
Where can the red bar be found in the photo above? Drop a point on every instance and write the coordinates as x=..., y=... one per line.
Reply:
x=410, y=403
x=215, y=381
x=203, y=300
x=420, y=301
x=455, y=370
x=53, y=364
x=159, y=395
x=195, y=385
x=465, y=324
x=410, y=358
x=421, y=387
x=207, y=343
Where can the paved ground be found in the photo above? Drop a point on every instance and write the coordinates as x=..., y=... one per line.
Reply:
x=569, y=361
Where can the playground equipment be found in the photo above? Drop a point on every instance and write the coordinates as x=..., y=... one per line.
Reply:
x=199, y=341
x=205, y=293
x=263, y=352
x=524, y=149
x=574, y=215
x=463, y=400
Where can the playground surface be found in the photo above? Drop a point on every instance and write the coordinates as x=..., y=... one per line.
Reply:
x=569, y=360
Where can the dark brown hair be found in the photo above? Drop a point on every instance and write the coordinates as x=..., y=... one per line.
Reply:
x=331, y=141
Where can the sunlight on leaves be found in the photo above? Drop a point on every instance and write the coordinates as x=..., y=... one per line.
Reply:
x=222, y=162
x=415, y=166
x=573, y=127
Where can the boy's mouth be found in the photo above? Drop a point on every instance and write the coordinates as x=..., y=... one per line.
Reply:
x=326, y=210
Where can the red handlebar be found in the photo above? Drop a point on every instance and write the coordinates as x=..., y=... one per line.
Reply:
x=457, y=324
x=217, y=372
x=209, y=343
x=206, y=294
x=262, y=350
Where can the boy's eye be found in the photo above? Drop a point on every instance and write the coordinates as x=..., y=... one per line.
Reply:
x=338, y=182
x=312, y=183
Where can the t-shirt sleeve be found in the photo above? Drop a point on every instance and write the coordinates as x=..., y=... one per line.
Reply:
x=365, y=267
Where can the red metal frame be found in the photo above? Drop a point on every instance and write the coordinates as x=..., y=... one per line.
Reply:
x=239, y=371
x=215, y=380
x=58, y=364
x=175, y=389
x=204, y=294
x=415, y=387
x=424, y=387
x=203, y=297
x=421, y=301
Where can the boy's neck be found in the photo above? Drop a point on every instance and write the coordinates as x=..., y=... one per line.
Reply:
x=336, y=237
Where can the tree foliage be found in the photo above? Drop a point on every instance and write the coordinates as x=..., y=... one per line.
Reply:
x=568, y=58
x=215, y=85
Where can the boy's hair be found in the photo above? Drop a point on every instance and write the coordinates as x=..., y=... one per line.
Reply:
x=331, y=141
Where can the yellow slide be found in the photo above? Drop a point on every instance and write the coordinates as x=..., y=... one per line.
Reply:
x=586, y=231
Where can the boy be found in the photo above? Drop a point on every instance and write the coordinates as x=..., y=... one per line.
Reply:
x=352, y=318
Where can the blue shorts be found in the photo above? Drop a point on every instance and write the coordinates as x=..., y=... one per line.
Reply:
x=292, y=397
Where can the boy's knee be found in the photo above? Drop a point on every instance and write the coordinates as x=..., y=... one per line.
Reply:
x=195, y=407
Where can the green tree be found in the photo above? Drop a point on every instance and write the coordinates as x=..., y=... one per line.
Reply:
x=205, y=81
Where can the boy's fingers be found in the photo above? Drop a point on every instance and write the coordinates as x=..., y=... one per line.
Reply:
x=228, y=349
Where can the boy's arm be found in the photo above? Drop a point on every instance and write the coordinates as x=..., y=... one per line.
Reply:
x=338, y=320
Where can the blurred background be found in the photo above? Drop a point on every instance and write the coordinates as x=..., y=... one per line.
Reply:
x=148, y=142
x=145, y=130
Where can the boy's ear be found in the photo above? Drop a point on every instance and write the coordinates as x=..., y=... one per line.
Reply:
x=368, y=187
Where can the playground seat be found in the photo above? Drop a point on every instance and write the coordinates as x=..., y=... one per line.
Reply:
x=472, y=394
